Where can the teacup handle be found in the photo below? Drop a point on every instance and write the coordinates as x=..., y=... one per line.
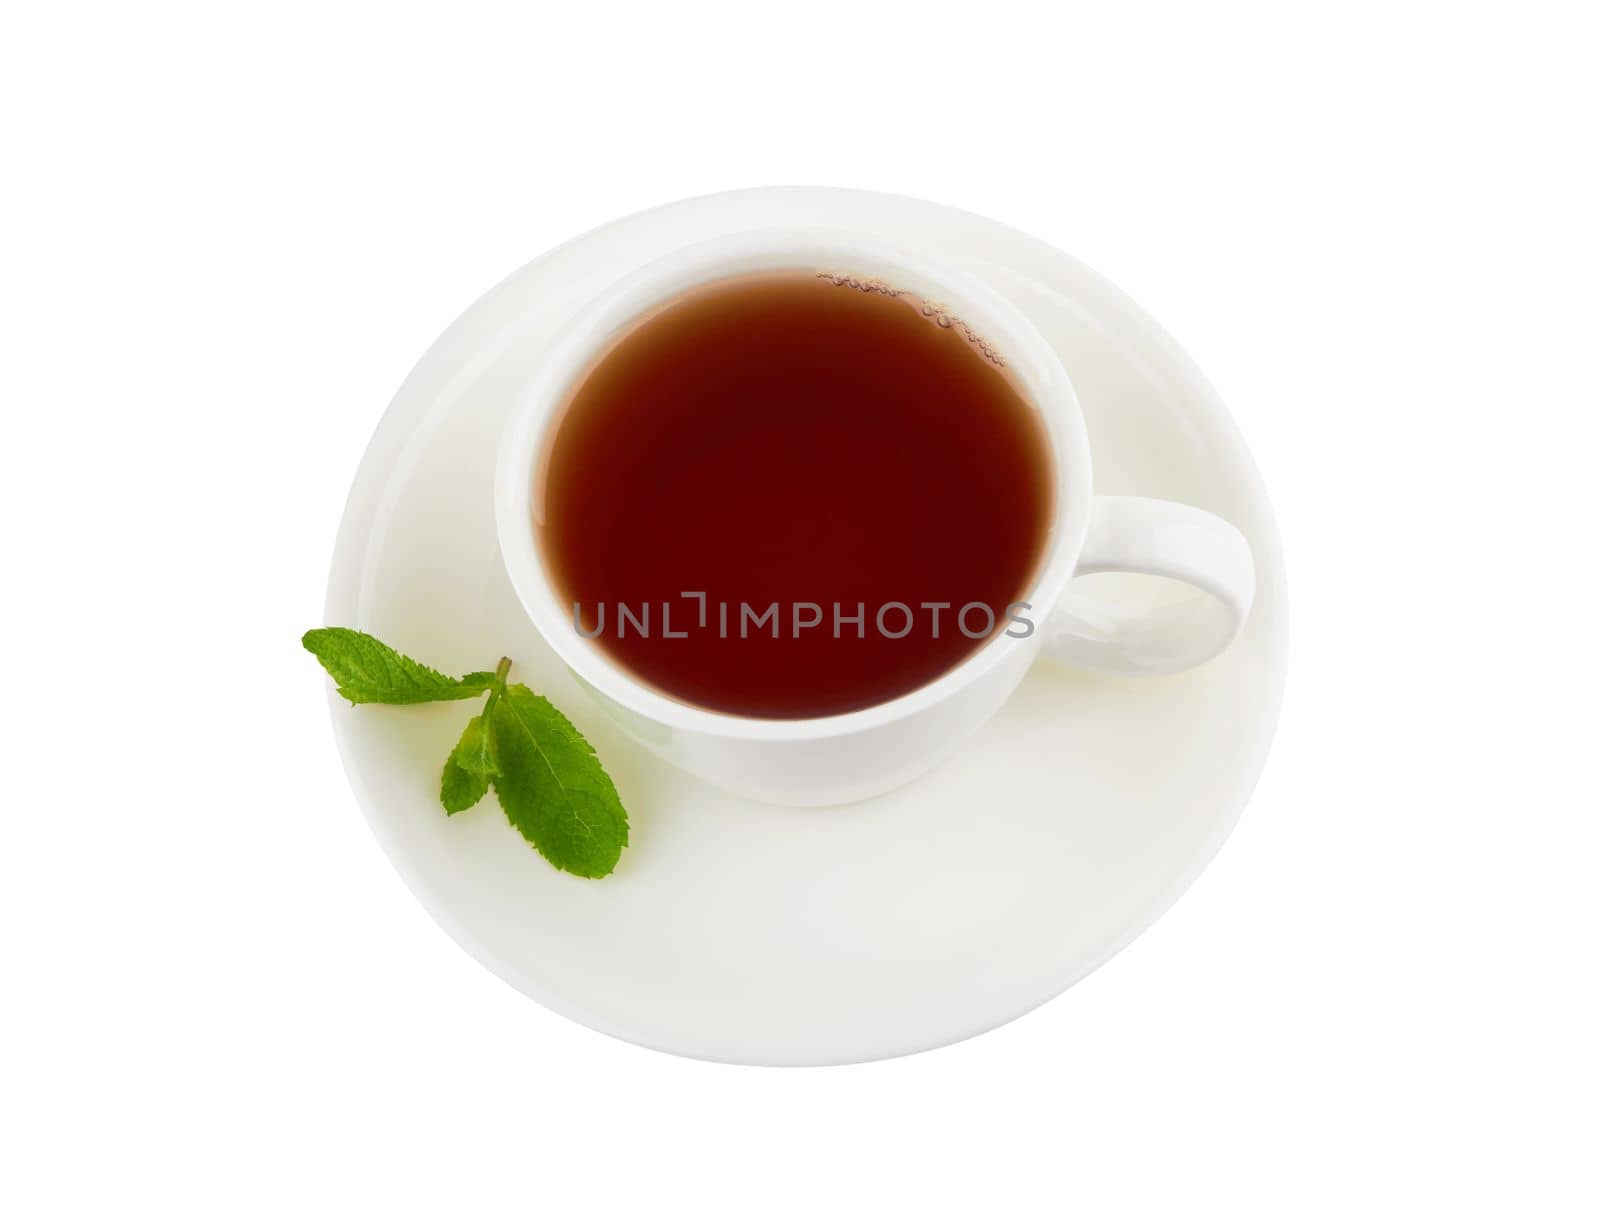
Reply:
x=1157, y=537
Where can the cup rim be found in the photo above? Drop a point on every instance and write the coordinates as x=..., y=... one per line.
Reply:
x=523, y=452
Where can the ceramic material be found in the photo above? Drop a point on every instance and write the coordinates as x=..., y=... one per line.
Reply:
x=849, y=757
x=746, y=932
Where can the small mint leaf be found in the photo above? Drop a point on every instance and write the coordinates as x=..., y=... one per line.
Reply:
x=366, y=670
x=459, y=788
x=471, y=763
x=552, y=786
x=475, y=751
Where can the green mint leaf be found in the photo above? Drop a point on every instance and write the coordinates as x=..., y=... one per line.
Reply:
x=552, y=787
x=472, y=761
x=475, y=753
x=469, y=767
x=459, y=789
x=366, y=670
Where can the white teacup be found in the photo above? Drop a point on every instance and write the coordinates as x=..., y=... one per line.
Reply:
x=853, y=756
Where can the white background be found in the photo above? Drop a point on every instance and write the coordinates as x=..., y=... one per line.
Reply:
x=229, y=231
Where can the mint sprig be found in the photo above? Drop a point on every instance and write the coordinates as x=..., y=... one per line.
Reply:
x=546, y=776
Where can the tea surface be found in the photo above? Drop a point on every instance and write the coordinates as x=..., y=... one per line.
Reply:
x=793, y=439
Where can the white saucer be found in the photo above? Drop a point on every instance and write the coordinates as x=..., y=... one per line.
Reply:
x=738, y=932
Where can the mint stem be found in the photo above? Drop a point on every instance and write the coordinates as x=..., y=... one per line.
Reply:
x=502, y=669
